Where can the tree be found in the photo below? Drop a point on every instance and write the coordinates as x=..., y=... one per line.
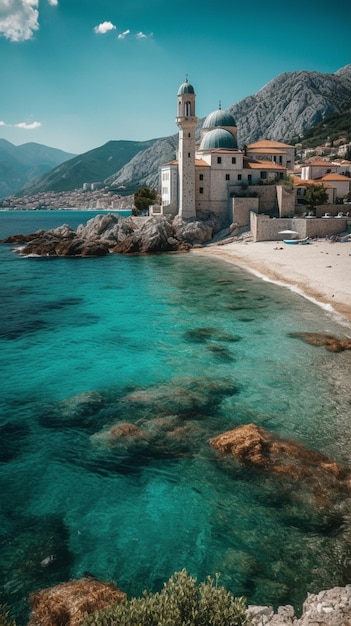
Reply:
x=315, y=195
x=143, y=197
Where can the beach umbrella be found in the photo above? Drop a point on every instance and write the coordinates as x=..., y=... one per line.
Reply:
x=292, y=233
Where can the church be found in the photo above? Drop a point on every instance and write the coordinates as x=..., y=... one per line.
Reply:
x=207, y=174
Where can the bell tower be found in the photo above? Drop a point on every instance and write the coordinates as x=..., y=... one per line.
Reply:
x=186, y=121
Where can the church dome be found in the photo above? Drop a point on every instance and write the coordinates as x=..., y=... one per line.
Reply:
x=185, y=88
x=218, y=138
x=219, y=118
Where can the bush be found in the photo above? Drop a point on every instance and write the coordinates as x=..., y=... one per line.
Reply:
x=180, y=603
x=5, y=619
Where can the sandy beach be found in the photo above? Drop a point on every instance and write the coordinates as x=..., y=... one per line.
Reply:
x=320, y=271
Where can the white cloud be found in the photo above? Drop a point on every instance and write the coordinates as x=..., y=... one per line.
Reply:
x=19, y=18
x=24, y=125
x=141, y=35
x=124, y=34
x=104, y=28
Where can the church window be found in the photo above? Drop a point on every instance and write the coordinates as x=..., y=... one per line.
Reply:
x=189, y=134
x=239, y=176
x=189, y=155
x=233, y=160
x=201, y=190
x=187, y=109
x=219, y=159
x=227, y=176
x=201, y=177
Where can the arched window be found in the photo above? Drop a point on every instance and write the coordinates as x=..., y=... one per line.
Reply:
x=188, y=109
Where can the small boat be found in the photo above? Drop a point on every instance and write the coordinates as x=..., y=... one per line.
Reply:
x=296, y=241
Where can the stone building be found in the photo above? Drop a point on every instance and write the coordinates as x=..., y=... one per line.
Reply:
x=207, y=175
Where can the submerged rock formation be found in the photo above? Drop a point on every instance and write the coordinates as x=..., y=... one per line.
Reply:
x=332, y=343
x=107, y=233
x=255, y=447
x=69, y=603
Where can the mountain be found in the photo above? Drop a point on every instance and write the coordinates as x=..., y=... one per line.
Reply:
x=284, y=108
x=290, y=104
x=19, y=164
x=143, y=169
x=93, y=166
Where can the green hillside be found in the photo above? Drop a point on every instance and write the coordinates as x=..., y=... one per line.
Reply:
x=333, y=127
x=93, y=166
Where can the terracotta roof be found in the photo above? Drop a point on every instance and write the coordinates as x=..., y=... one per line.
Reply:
x=336, y=177
x=318, y=162
x=260, y=164
x=170, y=163
x=266, y=150
x=304, y=183
x=267, y=143
x=201, y=163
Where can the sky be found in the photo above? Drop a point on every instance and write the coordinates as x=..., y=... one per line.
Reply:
x=78, y=73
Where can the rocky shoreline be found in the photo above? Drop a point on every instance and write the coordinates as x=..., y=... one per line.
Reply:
x=106, y=233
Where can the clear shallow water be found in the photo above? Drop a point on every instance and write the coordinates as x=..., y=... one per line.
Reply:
x=182, y=348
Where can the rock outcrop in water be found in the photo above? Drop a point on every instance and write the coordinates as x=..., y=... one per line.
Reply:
x=107, y=233
x=255, y=447
x=331, y=343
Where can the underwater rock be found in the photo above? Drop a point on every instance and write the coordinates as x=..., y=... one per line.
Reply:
x=156, y=438
x=254, y=446
x=186, y=396
x=78, y=411
x=332, y=343
x=70, y=603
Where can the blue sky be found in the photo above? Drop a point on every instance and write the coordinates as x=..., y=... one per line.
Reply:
x=77, y=73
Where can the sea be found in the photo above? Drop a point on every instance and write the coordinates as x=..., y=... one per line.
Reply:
x=115, y=374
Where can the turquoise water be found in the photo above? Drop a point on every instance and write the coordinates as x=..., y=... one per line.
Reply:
x=181, y=348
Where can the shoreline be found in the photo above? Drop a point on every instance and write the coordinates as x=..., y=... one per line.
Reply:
x=319, y=271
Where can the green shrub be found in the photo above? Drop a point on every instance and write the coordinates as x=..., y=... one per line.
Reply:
x=5, y=619
x=180, y=603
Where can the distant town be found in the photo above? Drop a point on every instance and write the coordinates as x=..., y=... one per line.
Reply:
x=92, y=196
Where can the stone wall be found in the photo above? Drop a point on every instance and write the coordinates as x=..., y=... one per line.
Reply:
x=286, y=197
x=240, y=208
x=264, y=228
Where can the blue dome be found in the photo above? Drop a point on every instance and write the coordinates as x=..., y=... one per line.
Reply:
x=185, y=88
x=219, y=118
x=218, y=138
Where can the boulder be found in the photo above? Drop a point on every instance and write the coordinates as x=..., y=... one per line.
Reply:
x=253, y=446
x=103, y=227
x=192, y=232
x=68, y=604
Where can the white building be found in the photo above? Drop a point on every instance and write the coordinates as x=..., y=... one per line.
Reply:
x=204, y=177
